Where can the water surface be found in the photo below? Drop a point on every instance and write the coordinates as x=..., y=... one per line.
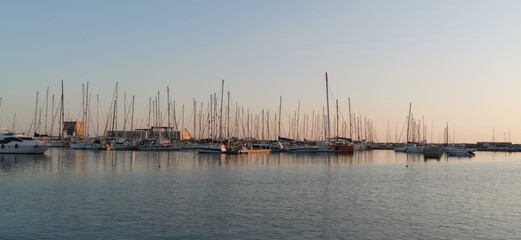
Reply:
x=184, y=195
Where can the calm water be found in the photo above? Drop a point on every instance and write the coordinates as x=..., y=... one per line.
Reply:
x=183, y=195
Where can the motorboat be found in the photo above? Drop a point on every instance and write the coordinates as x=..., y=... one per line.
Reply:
x=459, y=151
x=19, y=143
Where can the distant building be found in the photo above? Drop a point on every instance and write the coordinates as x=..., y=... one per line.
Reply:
x=74, y=128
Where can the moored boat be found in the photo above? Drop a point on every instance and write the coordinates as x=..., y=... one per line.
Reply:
x=19, y=143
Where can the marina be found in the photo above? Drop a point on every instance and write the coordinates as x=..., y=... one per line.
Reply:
x=260, y=120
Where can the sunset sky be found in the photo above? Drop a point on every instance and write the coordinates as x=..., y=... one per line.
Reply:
x=455, y=61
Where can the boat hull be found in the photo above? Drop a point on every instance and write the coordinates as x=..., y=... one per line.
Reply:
x=24, y=148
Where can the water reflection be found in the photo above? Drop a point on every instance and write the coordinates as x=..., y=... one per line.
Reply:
x=80, y=162
x=20, y=162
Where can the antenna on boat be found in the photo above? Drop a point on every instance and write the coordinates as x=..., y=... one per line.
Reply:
x=14, y=121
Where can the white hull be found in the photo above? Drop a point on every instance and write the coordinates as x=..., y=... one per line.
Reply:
x=19, y=143
x=28, y=147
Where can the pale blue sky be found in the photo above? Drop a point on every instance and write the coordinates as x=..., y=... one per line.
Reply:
x=456, y=61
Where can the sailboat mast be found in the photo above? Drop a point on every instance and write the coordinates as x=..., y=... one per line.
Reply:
x=115, y=114
x=350, y=119
x=97, y=114
x=46, y=109
x=125, y=114
x=327, y=102
x=210, y=117
x=280, y=112
x=168, y=108
x=337, y=118
x=228, y=117
x=221, y=112
x=195, y=117
x=62, y=115
x=298, y=120
x=408, y=121
x=36, y=114
x=132, y=115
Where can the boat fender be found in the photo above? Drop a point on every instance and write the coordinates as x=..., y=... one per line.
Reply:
x=16, y=145
x=36, y=146
x=2, y=146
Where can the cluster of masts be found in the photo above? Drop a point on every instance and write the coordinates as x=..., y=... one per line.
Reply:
x=220, y=121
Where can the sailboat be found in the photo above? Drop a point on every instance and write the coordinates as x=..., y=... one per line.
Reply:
x=410, y=147
x=336, y=144
x=84, y=142
x=119, y=143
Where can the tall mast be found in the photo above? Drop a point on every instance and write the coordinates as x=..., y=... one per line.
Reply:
x=97, y=114
x=168, y=108
x=158, y=111
x=262, y=125
x=83, y=107
x=149, y=112
x=53, y=116
x=280, y=112
x=46, y=109
x=62, y=115
x=215, y=115
x=221, y=113
x=298, y=120
x=327, y=101
x=195, y=117
x=228, y=117
x=132, y=116
x=337, y=118
x=36, y=114
x=125, y=115
x=115, y=114
x=350, y=119
x=87, y=110
x=182, y=118
x=408, y=121
x=210, y=116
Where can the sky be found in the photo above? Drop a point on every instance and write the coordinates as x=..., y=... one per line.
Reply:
x=457, y=62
